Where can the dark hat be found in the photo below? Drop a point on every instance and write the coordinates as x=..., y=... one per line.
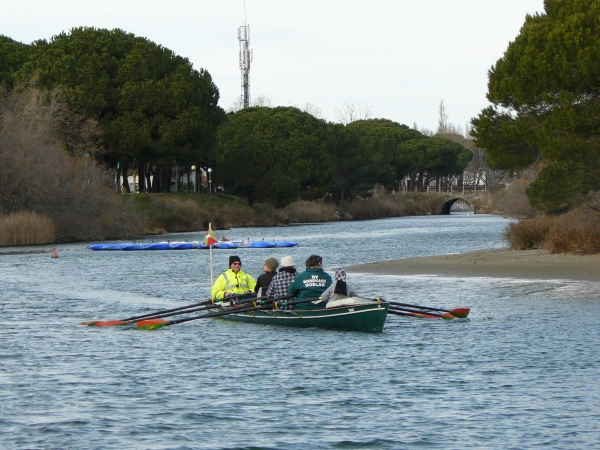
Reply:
x=233, y=259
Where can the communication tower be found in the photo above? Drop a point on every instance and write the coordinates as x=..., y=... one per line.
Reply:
x=245, y=60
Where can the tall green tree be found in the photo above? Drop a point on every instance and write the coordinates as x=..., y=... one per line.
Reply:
x=430, y=157
x=153, y=107
x=378, y=157
x=275, y=155
x=13, y=55
x=545, y=95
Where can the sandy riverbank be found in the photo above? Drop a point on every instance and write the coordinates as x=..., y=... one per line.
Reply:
x=528, y=264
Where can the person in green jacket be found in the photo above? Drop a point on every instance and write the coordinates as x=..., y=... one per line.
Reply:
x=234, y=281
x=310, y=284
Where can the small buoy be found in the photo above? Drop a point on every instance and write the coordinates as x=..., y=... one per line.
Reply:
x=54, y=254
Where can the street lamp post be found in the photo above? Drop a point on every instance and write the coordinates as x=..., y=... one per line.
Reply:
x=209, y=180
x=195, y=178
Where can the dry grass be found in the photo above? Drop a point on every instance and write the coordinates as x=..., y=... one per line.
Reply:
x=304, y=211
x=373, y=207
x=576, y=232
x=193, y=212
x=26, y=228
x=529, y=233
x=513, y=200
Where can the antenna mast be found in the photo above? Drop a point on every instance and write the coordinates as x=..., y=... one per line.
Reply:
x=245, y=59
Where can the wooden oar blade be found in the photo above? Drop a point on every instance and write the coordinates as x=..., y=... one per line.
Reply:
x=152, y=324
x=110, y=323
x=460, y=313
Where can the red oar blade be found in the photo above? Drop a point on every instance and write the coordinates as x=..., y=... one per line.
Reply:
x=461, y=313
x=89, y=324
x=426, y=315
x=152, y=324
x=403, y=312
x=448, y=316
x=110, y=323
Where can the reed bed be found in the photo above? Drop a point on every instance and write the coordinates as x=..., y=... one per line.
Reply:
x=576, y=232
x=26, y=228
x=303, y=211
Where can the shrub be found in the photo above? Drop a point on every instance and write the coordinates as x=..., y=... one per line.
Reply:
x=575, y=232
x=529, y=233
x=303, y=211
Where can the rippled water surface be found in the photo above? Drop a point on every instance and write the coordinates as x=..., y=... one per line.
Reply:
x=523, y=372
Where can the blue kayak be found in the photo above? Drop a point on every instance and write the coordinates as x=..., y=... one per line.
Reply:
x=130, y=247
x=259, y=244
x=285, y=244
x=157, y=246
x=114, y=246
x=219, y=245
x=181, y=246
x=226, y=245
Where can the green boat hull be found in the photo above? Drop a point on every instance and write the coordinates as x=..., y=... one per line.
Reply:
x=366, y=317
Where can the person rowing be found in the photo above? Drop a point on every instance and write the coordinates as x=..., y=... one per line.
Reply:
x=233, y=282
x=280, y=282
x=263, y=281
x=338, y=290
x=310, y=283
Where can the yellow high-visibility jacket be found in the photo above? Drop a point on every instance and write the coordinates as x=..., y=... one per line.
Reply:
x=231, y=282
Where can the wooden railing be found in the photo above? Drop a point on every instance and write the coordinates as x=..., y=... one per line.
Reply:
x=470, y=190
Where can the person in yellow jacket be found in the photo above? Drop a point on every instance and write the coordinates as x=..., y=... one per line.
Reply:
x=233, y=282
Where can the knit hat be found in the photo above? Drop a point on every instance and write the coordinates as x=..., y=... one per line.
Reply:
x=233, y=259
x=287, y=261
x=340, y=275
x=271, y=263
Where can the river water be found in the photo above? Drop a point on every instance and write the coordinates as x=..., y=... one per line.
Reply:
x=523, y=372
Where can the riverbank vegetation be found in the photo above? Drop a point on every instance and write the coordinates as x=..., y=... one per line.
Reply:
x=545, y=95
x=42, y=184
x=85, y=109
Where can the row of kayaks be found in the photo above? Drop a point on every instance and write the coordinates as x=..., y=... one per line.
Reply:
x=225, y=245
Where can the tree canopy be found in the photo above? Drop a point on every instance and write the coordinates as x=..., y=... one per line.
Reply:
x=545, y=95
x=152, y=105
x=275, y=155
x=13, y=55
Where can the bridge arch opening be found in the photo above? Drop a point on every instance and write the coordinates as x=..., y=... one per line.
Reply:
x=456, y=205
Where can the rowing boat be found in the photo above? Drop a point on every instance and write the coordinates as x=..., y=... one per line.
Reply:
x=350, y=314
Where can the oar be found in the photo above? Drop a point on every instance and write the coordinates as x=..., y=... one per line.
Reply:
x=210, y=304
x=460, y=313
x=155, y=324
x=114, y=323
x=421, y=314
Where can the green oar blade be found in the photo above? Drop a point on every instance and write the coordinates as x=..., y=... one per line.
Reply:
x=461, y=313
x=152, y=324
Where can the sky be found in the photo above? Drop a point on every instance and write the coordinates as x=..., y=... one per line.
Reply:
x=397, y=58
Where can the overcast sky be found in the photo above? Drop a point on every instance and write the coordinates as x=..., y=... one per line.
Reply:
x=400, y=57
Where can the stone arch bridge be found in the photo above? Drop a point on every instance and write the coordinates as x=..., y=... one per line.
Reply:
x=464, y=192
